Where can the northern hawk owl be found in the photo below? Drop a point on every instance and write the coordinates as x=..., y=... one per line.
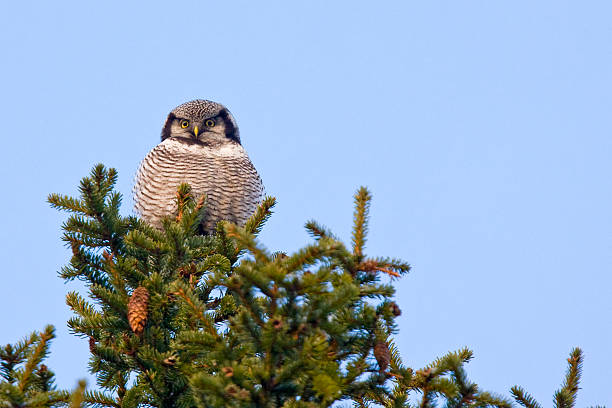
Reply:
x=200, y=145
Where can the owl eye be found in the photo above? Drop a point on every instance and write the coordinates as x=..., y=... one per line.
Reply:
x=210, y=123
x=184, y=123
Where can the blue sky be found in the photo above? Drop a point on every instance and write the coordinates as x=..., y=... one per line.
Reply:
x=482, y=129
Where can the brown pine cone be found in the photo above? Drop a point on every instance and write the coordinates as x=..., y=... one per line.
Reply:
x=277, y=323
x=382, y=354
x=395, y=309
x=137, y=309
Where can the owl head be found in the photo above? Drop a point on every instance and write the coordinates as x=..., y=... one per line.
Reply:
x=201, y=121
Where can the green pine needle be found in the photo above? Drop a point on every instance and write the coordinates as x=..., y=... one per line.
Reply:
x=363, y=199
x=263, y=212
x=524, y=398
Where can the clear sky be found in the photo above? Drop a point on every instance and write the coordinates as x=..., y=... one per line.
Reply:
x=482, y=129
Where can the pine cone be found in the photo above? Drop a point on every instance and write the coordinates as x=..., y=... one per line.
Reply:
x=382, y=354
x=395, y=309
x=232, y=390
x=277, y=323
x=137, y=309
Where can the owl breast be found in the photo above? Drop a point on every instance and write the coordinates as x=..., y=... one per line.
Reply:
x=223, y=173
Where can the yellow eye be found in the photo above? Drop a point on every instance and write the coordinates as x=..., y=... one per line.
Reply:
x=184, y=123
x=210, y=123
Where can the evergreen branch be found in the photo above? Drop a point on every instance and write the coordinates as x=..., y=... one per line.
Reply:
x=103, y=179
x=324, y=248
x=78, y=227
x=224, y=245
x=396, y=359
x=485, y=399
x=183, y=198
x=195, y=305
x=148, y=239
x=88, y=325
x=207, y=386
x=34, y=382
x=11, y=395
x=446, y=387
x=76, y=401
x=566, y=396
x=371, y=265
x=99, y=399
x=117, y=280
x=360, y=220
x=393, y=267
x=112, y=356
x=80, y=306
x=150, y=232
x=263, y=212
x=80, y=239
x=318, y=231
x=192, y=216
x=85, y=266
x=260, y=279
x=466, y=391
x=215, y=262
x=39, y=352
x=563, y=399
x=361, y=402
x=524, y=398
x=110, y=298
x=428, y=400
x=135, y=396
x=66, y=203
x=373, y=395
x=451, y=359
x=251, y=307
x=13, y=355
x=106, y=178
x=246, y=240
x=38, y=400
x=195, y=343
x=93, y=198
x=58, y=398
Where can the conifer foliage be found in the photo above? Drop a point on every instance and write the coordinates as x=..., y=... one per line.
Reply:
x=27, y=382
x=177, y=319
x=180, y=319
x=565, y=397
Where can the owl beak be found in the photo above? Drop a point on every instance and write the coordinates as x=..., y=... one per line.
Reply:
x=196, y=131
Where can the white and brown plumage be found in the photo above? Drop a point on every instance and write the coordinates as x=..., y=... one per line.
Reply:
x=200, y=145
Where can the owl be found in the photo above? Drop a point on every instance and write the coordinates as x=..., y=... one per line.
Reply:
x=200, y=145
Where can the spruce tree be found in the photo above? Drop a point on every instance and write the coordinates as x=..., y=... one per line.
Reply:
x=177, y=319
